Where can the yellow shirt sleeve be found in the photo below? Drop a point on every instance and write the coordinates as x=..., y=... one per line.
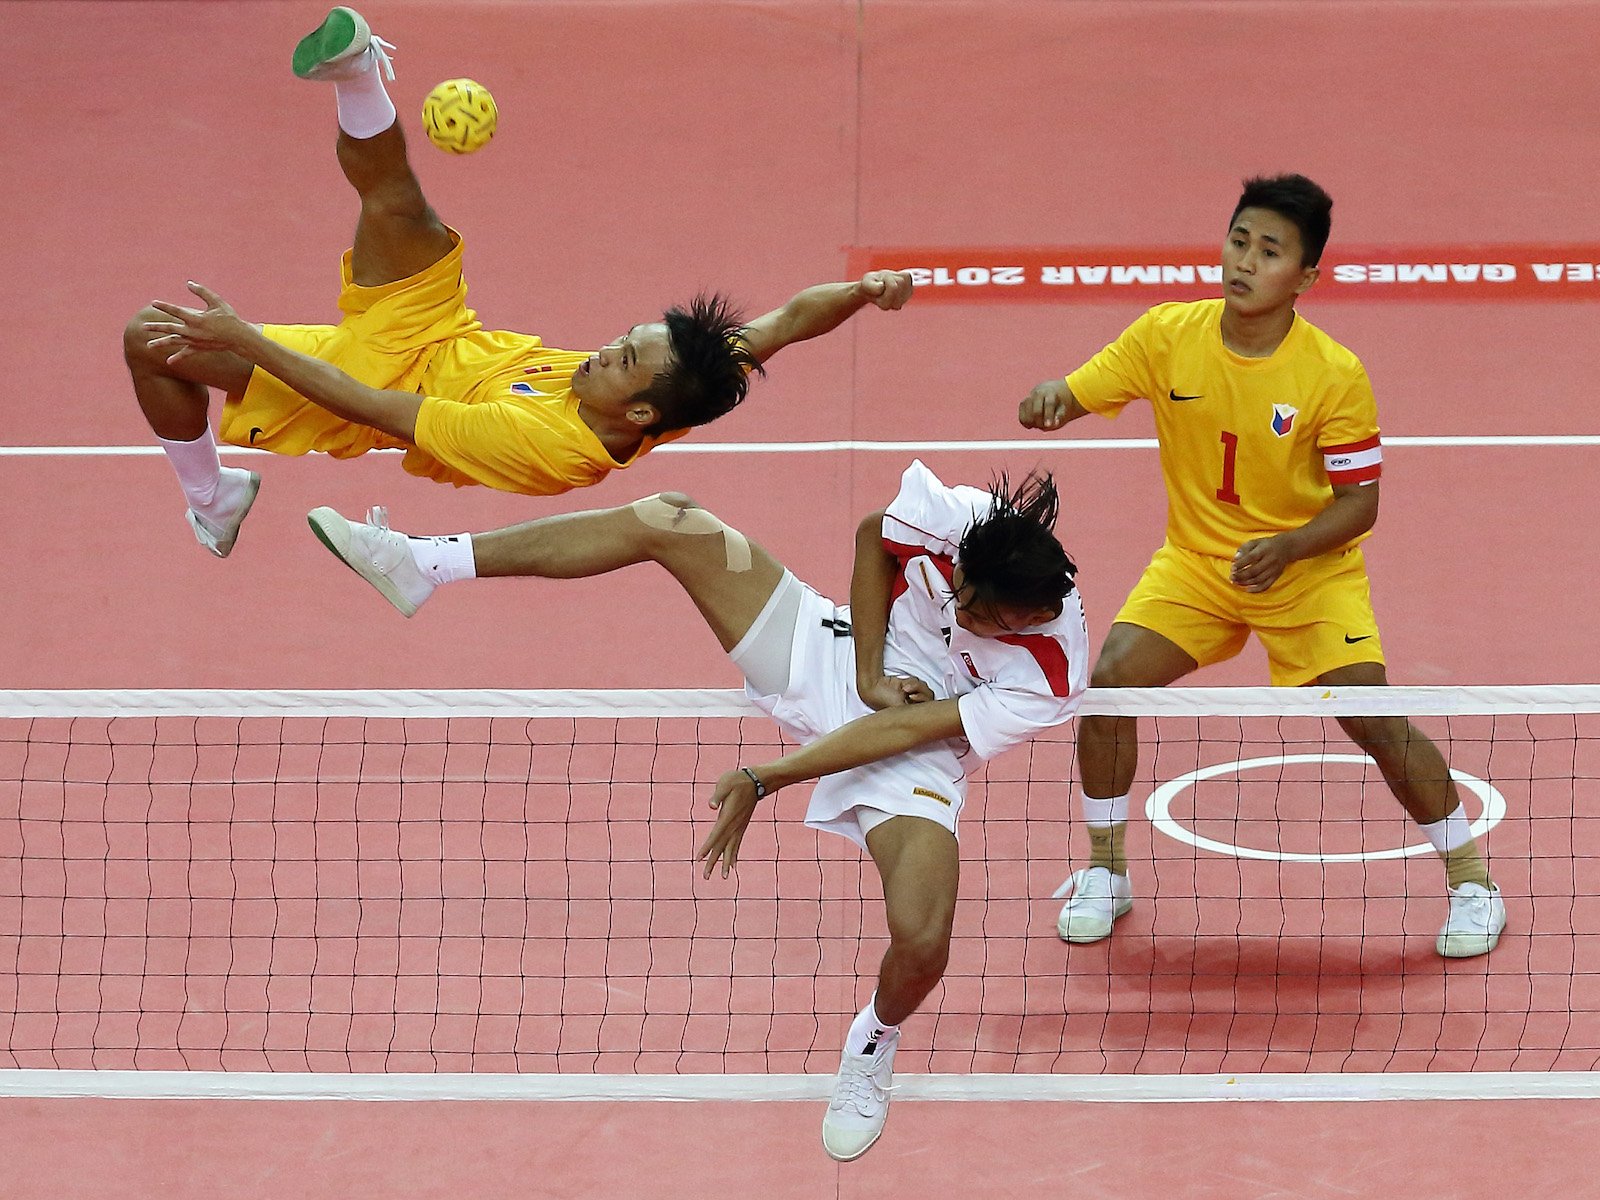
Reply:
x=508, y=446
x=1352, y=414
x=1119, y=373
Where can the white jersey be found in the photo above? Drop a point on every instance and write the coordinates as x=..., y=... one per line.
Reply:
x=1009, y=688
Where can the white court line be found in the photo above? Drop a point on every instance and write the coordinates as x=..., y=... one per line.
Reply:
x=925, y=447
x=300, y=1085
x=1158, y=808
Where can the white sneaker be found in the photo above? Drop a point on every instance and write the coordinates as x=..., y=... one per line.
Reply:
x=1477, y=917
x=1098, y=899
x=860, y=1104
x=217, y=529
x=341, y=48
x=378, y=554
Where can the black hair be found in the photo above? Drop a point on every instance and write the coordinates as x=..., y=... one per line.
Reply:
x=709, y=369
x=1010, y=556
x=1297, y=199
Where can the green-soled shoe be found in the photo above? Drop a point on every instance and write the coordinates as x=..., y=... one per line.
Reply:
x=335, y=49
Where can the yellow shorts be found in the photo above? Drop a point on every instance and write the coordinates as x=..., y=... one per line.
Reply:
x=1315, y=618
x=387, y=338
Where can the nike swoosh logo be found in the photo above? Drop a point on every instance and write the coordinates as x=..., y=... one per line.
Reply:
x=1350, y=641
x=254, y=429
x=1172, y=395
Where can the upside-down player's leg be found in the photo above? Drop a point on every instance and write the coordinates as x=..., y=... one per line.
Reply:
x=397, y=234
x=919, y=864
x=728, y=577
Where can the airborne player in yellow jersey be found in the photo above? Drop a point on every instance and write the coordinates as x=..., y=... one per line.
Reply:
x=411, y=367
x=1269, y=447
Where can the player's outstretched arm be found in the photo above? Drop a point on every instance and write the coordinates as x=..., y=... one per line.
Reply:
x=823, y=308
x=867, y=739
x=1050, y=406
x=218, y=327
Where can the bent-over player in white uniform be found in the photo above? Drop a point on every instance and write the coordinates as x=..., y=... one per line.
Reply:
x=964, y=636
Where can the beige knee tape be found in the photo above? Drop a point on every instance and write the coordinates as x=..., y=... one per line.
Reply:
x=659, y=514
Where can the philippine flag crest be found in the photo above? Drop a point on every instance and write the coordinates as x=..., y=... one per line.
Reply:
x=1283, y=416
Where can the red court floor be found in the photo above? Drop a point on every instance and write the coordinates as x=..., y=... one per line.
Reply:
x=652, y=148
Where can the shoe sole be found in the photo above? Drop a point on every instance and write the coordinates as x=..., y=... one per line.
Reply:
x=221, y=549
x=339, y=31
x=838, y=1157
x=333, y=531
x=1474, y=949
x=1083, y=939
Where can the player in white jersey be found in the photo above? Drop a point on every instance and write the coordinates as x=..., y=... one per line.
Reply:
x=964, y=636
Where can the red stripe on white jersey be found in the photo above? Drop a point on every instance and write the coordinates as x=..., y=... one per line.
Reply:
x=1049, y=654
x=905, y=554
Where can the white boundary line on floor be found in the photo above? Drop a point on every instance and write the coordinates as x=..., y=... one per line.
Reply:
x=263, y=1085
x=866, y=447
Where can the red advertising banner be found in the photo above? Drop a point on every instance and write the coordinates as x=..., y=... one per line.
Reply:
x=1477, y=271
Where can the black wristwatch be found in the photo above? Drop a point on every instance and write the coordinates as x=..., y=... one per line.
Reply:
x=761, y=788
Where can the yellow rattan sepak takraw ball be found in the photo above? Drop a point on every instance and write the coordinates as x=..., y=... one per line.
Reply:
x=459, y=116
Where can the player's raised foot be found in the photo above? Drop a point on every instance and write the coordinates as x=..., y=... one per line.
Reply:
x=342, y=47
x=1477, y=917
x=1099, y=897
x=217, y=525
x=860, y=1104
x=378, y=554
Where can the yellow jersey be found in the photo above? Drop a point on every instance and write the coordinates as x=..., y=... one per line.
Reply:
x=497, y=406
x=1250, y=447
x=511, y=421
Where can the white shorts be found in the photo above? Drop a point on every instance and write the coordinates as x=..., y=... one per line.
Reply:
x=821, y=696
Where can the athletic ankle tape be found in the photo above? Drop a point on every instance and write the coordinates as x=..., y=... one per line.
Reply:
x=1108, y=848
x=1465, y=865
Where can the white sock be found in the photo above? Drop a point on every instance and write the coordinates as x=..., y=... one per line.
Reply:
x=445, y=559
x=198, y=467
x=868, y=1034
x=1451, y=833
x=365, y=109
x=1111, y=811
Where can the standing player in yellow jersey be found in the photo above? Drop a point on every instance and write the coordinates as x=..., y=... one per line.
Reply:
x=1269, y=447
x=411, y=367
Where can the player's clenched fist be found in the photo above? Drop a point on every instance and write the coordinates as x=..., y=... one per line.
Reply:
x=889, y=290
x=1048, y=406
x=892, y=691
